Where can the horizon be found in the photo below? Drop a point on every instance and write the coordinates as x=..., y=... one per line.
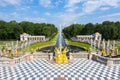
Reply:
x=60, y=12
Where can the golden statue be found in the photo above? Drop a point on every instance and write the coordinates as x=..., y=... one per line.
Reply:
x=4, y=52
x=17, y=52
x=61, y=55
x=104, y=52
x=117, y=51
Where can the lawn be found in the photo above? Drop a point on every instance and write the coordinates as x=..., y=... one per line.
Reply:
x=37, y=45
x=118, y=44
x=79, y=44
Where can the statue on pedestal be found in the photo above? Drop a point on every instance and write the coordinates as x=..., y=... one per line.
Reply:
x=61, y=56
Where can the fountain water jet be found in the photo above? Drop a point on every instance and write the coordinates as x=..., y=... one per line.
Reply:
x=61, y=50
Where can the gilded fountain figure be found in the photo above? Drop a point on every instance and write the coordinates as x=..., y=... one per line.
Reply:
x=60, y=51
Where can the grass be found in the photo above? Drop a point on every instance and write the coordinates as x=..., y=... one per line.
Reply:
x=118, y=44
x=35, y=46
x=79, y=44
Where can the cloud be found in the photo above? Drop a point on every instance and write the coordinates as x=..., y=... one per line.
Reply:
x=45, y=3
x=114, y=3
x=72, y=9
x=47, y=14
x=110, y=15
x=72, y=3
x=104, y=8
x=58, y=2
x=91, y=6
x=10, y=2
x=4, y=3
x=66, y=18
x=88, y=6
x=75, y=9
x=14, y=14
x=35, y=19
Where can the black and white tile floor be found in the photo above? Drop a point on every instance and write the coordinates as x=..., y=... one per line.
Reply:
x=80, y=69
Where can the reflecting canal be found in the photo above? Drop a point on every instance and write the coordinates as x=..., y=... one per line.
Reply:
x=61, y=41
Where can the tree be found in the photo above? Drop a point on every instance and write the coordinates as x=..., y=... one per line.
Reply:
x=109, y=30
x=13, y=29
x=88, y=29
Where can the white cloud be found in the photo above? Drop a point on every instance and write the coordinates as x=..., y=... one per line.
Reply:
x=10, y=2
x=88, y=6
x=14, y=14
x=35, y=19
x=104, y=8
x=72, y=9
x=45, y=3
x=47, y=14
x=13, y=2
x=20, y=17
x=72, y=3
x=58, y=2
x=2, y=3
x=114, y=3
x=91, y=6
x=78, y=8
x=110, y=15
x=23, y=8
x=67, y=18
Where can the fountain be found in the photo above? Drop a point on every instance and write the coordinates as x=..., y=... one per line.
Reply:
x=60, y=50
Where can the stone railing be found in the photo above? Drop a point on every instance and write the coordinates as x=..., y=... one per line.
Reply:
x=82, y=54
x=12, y=62
x=108, y=61
x=40, y=55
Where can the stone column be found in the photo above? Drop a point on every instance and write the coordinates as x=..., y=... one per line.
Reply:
x=90, y=56
x=109, y=63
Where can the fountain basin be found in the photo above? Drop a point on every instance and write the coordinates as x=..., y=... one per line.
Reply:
x=71, y=48
x=106, y=60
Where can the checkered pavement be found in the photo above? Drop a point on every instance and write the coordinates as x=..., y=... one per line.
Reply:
x=80, y=69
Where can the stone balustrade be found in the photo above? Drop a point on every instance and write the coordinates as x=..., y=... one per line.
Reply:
x=106, y=60
x=12, y=62
x=82, y=54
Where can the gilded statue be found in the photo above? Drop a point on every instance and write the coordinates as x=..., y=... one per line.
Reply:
x=61, y=55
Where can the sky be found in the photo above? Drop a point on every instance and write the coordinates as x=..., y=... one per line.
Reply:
x=60, y=12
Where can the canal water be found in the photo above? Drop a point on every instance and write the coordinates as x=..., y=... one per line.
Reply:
x=60, y=40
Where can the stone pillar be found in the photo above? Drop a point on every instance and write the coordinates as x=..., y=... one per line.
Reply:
x=12, y=63
x=31, y=57
x=109, y=63
x=27, y=58
x=94, y=57
x=90, y=56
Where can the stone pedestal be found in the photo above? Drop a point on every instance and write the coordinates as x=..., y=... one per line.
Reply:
x=109, y=63
x=90, y=56
x=94, y=57
x=27, y=58
x=12, y=63
x=60, y=78
x=31, y=57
